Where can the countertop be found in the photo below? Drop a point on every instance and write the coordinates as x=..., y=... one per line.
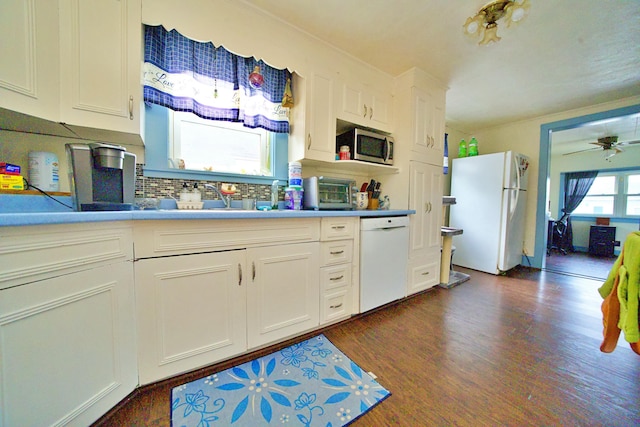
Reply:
x=43, y=218
x=35, y=210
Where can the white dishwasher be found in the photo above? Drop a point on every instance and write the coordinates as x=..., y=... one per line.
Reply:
x=384, y=250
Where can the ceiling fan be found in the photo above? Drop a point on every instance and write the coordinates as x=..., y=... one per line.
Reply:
x=607, y=143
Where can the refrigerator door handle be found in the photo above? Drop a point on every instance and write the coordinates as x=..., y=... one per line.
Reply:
x=517, y=171
x=515, y=204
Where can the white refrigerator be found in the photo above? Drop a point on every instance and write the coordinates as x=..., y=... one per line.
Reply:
x=491, y=195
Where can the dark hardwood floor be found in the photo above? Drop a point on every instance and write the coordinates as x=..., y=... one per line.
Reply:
x=518, y=350
x=580, y=264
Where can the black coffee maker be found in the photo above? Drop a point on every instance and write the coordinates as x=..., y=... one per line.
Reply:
x=102, y=177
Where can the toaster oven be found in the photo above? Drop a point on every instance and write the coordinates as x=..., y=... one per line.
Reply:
x=322, y=193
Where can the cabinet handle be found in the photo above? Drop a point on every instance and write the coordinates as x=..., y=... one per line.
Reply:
x=370, y=112
x=426, y=273
x=338, y=227
x=336, y=253
x=239, y=274
x=336, y=306
x=253, y=271
x=308, y=141
x=337, y=278
x=365, y=110
x=130, y=107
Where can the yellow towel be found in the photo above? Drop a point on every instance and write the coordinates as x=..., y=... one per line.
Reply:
x=627, y=270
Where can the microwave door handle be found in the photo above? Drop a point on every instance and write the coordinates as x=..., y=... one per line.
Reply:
x=387, y=150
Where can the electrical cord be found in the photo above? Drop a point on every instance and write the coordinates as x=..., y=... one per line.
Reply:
x=45, y=193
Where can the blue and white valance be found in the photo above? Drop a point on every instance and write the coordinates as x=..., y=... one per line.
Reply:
x=211, y=82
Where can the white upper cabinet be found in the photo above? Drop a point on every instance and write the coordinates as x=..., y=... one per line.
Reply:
x=29, y=70
x=428, y=124
x=363, y=105
x=75, y=62
x=313, y=120
x=100, y=56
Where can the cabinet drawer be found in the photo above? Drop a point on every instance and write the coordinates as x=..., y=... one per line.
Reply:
x=338, y=252
x=33, y=253
x=335, y=305
x=423, y=274
x=335, y=277
x=337, y=228
x=162, y=238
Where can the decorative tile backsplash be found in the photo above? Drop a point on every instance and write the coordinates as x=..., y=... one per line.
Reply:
x=171, y=187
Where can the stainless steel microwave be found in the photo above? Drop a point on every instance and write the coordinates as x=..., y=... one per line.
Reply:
x=367, y=146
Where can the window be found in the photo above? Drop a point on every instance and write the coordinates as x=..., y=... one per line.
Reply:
x=612, y=194
x=217, y=146
x=211, y=150
x=632, y=195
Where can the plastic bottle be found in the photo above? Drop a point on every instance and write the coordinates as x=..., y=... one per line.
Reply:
x=462, y=148
x=445, y=163
x=196, y=196
x=295, y=174
x=274, y=195
x=473, y=147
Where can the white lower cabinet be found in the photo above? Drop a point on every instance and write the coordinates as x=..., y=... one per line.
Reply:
x=337, y=237
x=283, y=290
x=191, y=311
x=425, y=197
x=210, y=290
x=67, y=347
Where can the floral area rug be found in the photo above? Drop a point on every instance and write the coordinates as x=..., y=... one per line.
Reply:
x=311, y=383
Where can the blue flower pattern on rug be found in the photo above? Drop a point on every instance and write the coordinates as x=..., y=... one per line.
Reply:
x=307, y=384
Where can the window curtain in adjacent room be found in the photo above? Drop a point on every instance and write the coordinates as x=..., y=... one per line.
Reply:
x=211, y=82
x=576, y=187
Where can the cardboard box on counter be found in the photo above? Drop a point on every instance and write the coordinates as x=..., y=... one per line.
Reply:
x=11, y=182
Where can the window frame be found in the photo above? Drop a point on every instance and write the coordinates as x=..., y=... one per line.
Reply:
x=620, y=194
x=157, y=154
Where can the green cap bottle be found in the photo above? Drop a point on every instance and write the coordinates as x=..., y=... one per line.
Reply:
x=462, y=148
x=473, y=147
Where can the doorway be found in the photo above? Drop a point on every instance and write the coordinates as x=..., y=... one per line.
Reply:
x=546, y=131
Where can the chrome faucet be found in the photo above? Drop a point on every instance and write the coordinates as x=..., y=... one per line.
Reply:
x=225, y=199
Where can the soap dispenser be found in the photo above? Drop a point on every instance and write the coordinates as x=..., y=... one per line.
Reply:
x=185, y=195
x=196, y=196
x=274, y=194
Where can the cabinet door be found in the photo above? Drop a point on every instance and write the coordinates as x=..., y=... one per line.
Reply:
x=100, y=54
x=428, y=125
x=68, y=350
x=360, y=104
x=313, y=123
x=283, y=294
x=425, y=197
x=29, y=51
x=191, y=311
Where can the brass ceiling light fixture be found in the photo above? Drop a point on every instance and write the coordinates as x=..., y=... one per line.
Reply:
x=485, y=23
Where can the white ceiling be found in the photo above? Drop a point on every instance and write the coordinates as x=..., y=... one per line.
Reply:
x=566, y=54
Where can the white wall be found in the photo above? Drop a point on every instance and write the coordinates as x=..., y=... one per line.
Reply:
x=15, y=148
x=524, y=137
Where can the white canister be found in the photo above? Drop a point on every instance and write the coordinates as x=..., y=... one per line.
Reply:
x=43, y=171
x=295, y=174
